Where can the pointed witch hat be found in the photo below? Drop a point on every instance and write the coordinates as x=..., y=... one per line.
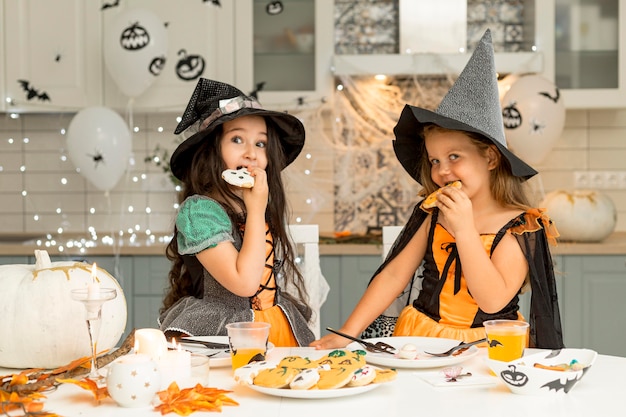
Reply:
x=212, y=104
x=471, y=105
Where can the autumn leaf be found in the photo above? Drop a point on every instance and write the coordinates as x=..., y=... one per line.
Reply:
x=99, y=393
x=186, y=401
x=72, y=365
x=14, y=401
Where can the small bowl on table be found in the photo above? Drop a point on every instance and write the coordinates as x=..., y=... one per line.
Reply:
x=545, y=373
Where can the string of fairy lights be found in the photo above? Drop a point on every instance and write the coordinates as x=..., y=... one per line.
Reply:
x=127, y=233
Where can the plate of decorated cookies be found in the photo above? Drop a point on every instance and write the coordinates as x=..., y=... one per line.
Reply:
x=410, y=352
x=340, y=373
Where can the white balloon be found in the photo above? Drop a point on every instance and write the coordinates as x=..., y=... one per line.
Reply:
x=99, y=145
x=534, y=115
x=135, y=49
x=504, y=85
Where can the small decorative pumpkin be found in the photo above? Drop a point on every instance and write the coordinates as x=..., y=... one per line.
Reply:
x=41, y=326
x=581, y=215
x=513, y=377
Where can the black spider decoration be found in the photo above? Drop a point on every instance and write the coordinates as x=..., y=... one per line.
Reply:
x=97, y=158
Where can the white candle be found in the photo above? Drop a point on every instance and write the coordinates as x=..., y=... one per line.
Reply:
x=93, y=289
x=175, y=365
x=150, y=342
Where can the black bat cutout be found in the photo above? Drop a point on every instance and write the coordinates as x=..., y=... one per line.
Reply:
x=553, y=98
x=110, y=5
x=32, y=92
x=494, y=343
x=255, y=92
x=214, y=2
x=557, y=385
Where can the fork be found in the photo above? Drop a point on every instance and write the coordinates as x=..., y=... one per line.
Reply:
x=460, y=346
x=378, y=347
x=207, y=344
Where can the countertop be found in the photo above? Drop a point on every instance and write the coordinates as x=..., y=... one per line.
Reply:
x=25, y=245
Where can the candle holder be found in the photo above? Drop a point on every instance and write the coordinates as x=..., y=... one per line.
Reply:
x=93, y=300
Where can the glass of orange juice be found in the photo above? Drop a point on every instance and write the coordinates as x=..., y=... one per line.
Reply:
x=506, y=339
x=248, y=342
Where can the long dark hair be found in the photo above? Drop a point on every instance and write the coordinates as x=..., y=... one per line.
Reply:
x=204, y=177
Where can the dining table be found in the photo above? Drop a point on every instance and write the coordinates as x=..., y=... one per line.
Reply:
x=599, y=393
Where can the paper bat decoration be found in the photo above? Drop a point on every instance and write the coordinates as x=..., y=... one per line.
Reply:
x=32, y=92
x=110, y=5
x=255, y=92
x=215, y=2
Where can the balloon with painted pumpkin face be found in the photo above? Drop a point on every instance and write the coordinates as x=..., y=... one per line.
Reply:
x=533, y=114
x=135, y=50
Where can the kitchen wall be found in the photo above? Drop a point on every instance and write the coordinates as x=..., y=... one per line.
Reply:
x=41, y=191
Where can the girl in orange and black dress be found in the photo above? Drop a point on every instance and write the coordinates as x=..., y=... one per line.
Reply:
x=483, y=242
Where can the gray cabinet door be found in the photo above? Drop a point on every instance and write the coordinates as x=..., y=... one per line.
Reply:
x=592, y=299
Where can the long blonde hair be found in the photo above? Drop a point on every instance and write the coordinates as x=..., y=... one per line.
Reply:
x=506, y=188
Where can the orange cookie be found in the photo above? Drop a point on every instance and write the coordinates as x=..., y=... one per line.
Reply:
x=278, y=377
x=385, y=375
x=334, y=378
x=431, y=200
x=341, y=358
x=297, y=362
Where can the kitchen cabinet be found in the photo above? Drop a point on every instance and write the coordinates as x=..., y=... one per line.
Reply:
x=591, y=299
x=585, y=52
x=200, y=43
x=289, y=52
x=52, y=55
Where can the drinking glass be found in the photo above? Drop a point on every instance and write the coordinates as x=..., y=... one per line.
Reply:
x=93, y=300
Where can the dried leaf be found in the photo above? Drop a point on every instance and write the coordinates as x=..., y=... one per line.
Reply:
x=72, y=365
x=186, y=401
x=88, y=384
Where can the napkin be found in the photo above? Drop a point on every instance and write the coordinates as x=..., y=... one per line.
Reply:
x=439, y=379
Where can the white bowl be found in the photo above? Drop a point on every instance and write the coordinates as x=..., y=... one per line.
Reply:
x=522, y=377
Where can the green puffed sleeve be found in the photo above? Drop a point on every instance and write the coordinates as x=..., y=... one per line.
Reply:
x=202, y=223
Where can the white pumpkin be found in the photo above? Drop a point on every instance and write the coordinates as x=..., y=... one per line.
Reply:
x=40, y=325
x=581, y=215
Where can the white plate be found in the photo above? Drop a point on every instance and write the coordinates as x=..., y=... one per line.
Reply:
x=222, y=358
x=314, y=393
x=430, y=344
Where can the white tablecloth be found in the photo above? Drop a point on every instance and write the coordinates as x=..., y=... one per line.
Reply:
x=600, y=393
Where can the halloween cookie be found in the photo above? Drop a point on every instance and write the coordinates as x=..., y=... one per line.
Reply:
x=431, y=200
x=238, y=177
x=247, y=373
x=279, y=377
x=341, y=358
x=305, y=379
x=335, y=378
x=385, y=375
x=362, y=376
x=297, y=362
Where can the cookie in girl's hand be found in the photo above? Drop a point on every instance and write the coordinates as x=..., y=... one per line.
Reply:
x=238, y=177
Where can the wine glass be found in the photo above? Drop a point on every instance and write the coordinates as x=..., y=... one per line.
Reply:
x=93, y=300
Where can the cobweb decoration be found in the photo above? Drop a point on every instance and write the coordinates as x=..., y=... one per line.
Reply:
x=372, y=189
x=302, y=178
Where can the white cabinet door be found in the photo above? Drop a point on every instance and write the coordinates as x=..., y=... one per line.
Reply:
x=52, y=55
x=199, y=44
x=291, y=51
x=584, y=49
